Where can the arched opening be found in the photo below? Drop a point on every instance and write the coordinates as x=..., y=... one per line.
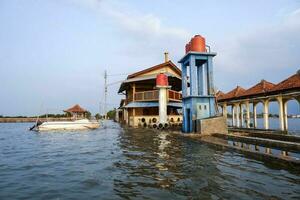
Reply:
x=220, y=110
x=274, y=114
x=259, y=116
x=293, y=115
x=229, y=115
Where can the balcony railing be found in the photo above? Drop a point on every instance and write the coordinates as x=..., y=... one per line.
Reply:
x=174, y=95
x=152, y=95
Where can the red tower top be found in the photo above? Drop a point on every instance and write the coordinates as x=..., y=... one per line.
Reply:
x=197, y=43
x=162, y=80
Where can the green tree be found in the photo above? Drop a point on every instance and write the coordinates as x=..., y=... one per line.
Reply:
x=97, y=116
x=88, y=114
x=111, y=114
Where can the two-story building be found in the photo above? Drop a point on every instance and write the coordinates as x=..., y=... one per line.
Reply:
x=140, y=108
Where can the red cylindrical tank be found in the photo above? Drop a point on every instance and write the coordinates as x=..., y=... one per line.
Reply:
x=162, y=80
x=198, y=44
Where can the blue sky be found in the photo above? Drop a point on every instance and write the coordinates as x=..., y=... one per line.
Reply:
x=53, y=53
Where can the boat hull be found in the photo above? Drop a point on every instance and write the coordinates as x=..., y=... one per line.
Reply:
x=68, y=125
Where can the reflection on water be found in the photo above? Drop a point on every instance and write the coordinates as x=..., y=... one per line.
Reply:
x=293, y=124
x=117, y=163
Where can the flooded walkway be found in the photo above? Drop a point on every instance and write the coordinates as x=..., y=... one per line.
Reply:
x=117, y=163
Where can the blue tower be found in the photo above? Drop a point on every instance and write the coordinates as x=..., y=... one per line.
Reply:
x=197, y=84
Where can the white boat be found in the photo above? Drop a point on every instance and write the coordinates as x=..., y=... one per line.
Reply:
x=82, y=124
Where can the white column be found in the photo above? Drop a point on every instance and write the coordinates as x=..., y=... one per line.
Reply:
x=237, y=115
x=285, y=113
x=247, y=114
x=163, y=105
x=233, y=114
x=242, y=115
x=254, y=115
x=266, y=113
x=281, y=114
x=126, y=116
x=224, y=112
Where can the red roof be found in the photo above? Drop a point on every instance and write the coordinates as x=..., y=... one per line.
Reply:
x=260, y=88
x=76, y=109
x=263, y=87
x=219, y=94
x=170, y=63
x=236, y=92
x=292, y=82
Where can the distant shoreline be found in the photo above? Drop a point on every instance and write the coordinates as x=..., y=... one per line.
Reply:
x=31, y=119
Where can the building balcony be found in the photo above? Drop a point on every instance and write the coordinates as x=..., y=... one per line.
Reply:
x=152, y=95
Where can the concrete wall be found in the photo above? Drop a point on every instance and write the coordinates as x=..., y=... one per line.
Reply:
x=212, y=125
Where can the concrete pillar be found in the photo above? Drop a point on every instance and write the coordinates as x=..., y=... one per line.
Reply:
x=193, y=75
x=184, y=83
x=117, y=115
x=224, y=111
x=233, y=114
x=210, y=77
x=266, y=113
x=268, y=150
x=163, y=105
x=254, y=115
x=242, y=115
x=284, y=153
x=126, y=116
x=247, y=114
x=281, y=113
x=285, y=113
x=237, y=115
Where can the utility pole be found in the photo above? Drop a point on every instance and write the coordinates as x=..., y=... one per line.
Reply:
x=105, y=93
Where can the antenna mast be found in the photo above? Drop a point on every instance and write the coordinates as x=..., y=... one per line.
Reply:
x=105, y=93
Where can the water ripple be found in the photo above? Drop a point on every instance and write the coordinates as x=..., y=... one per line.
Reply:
x=119, y=163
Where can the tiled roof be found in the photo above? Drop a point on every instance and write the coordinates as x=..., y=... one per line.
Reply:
x=170, y=63
x=260, y=88
x=236, y=92
x=75, y=109
x=219, y=94
x=292, y=82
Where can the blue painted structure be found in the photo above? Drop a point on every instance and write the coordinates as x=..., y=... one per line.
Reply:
x=198, y=99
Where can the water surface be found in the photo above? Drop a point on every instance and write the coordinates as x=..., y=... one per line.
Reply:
x=117, y=163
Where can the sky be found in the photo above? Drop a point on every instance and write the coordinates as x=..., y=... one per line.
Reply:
x=53, y=53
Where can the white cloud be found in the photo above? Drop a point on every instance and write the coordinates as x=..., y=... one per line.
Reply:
x=270, y=52
x=137, y=23
x=146, y=25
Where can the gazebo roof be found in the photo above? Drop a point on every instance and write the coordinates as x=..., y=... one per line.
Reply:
x=219, y=94
x=292, y=82
x=260, y=88
x=76, y=109
x=236, y=92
